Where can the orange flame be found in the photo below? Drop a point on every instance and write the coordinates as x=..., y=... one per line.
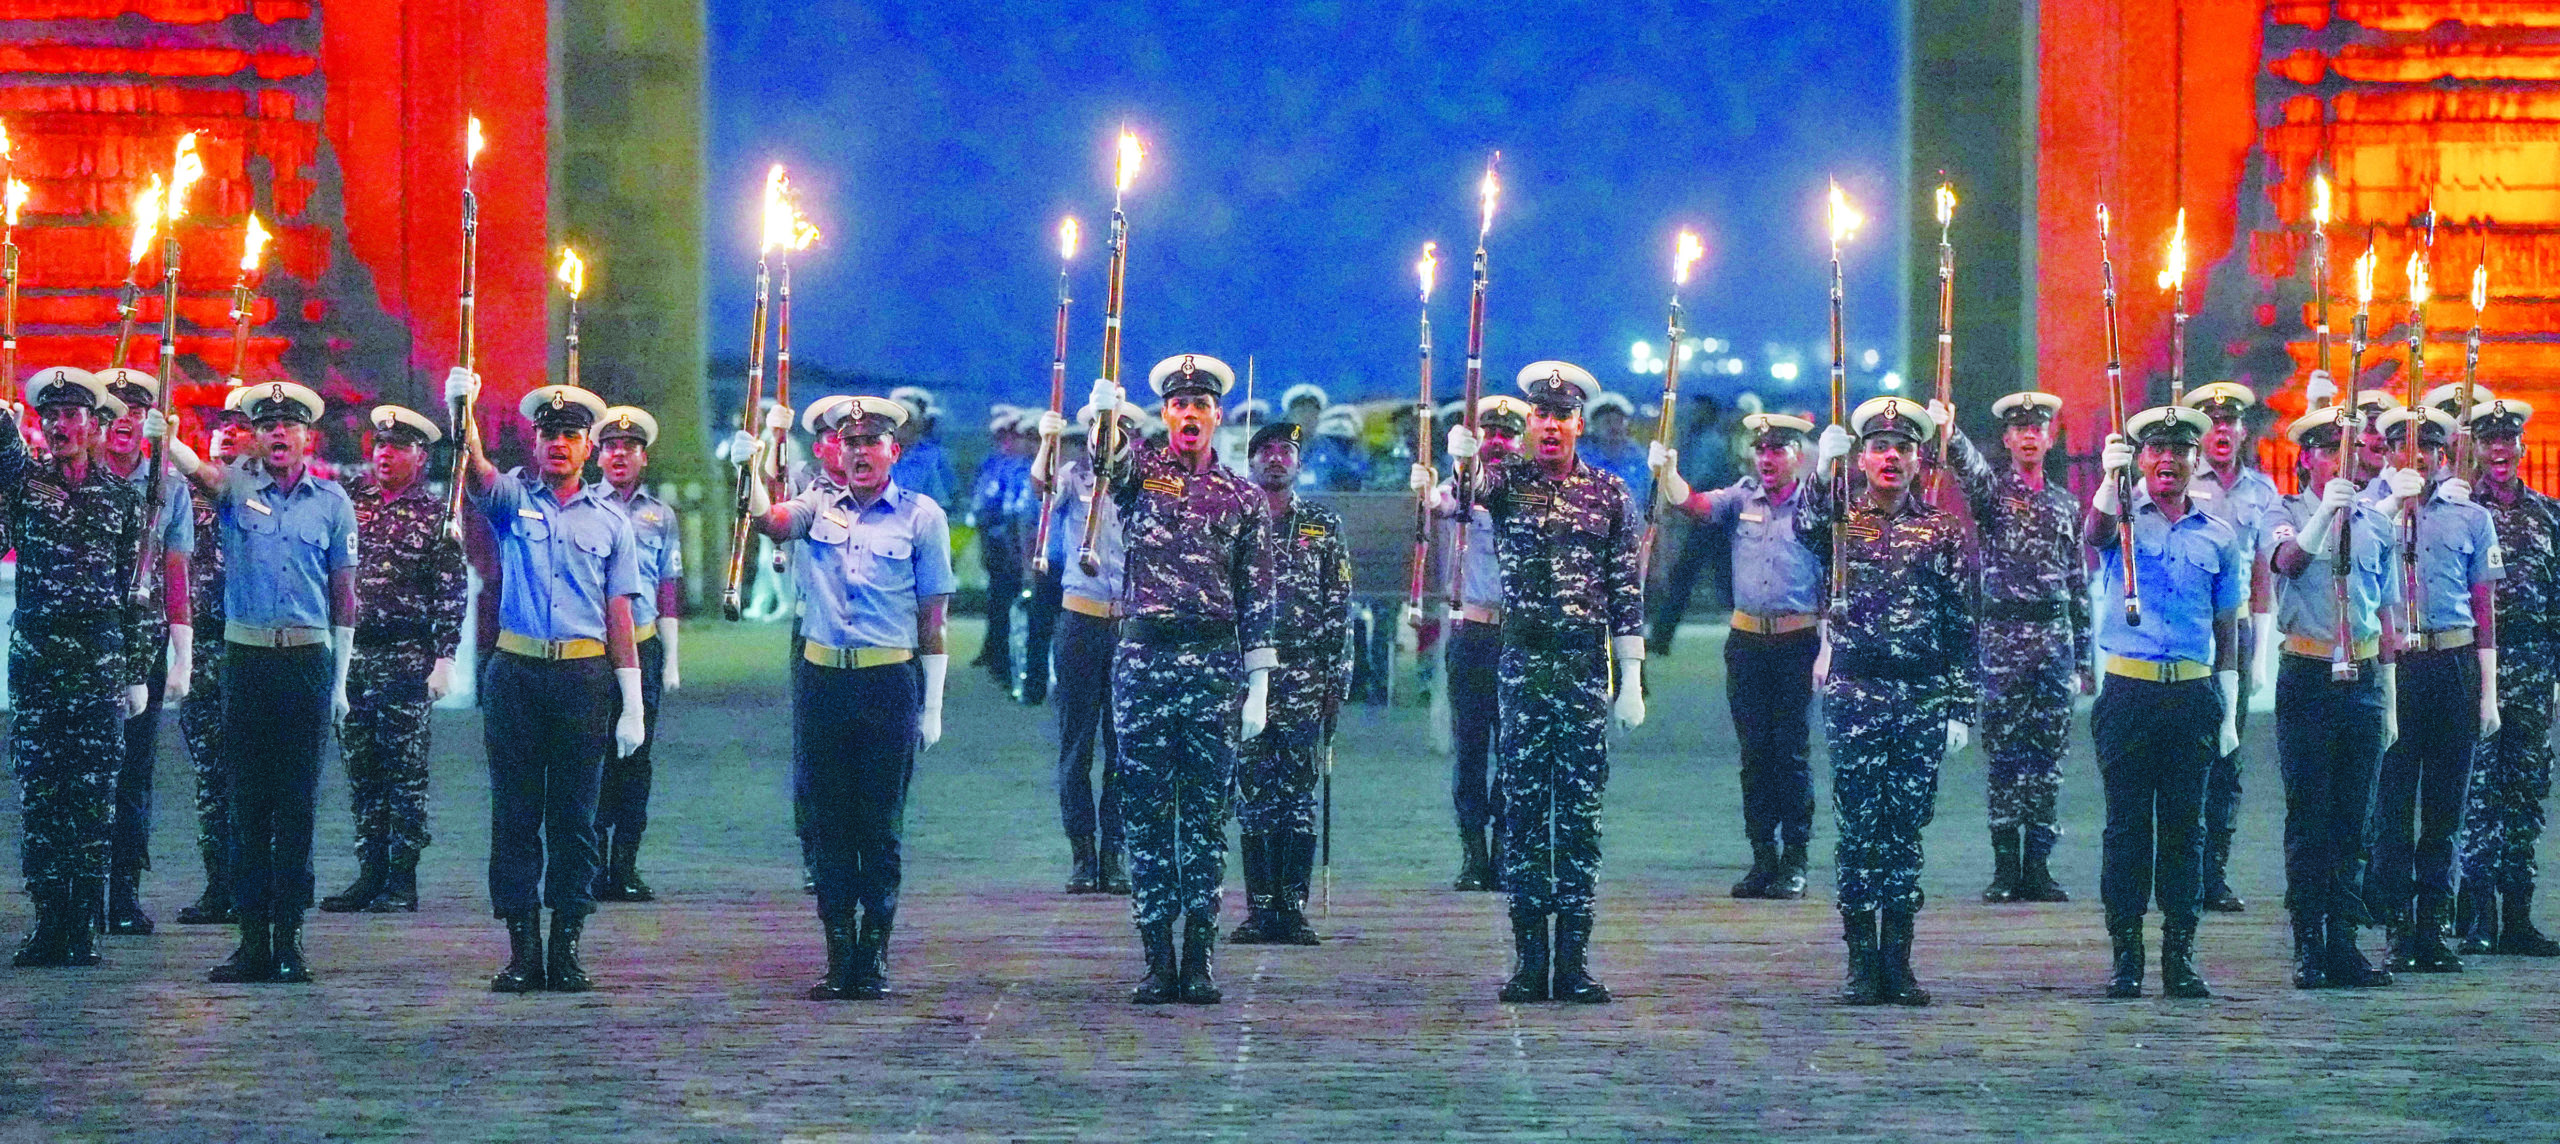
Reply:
x=1845, y=219
x=1428, y=270
x=1946, y=203
x=472, y=143
x=777, y=210
x=2364, y=277
x=1489, y=190
x=2102, y=220
x=2479, y=287
x=146, y=220
x=16, y=198
x=804, y=233
x=2419, y=289
x=1067, y=235
x=183, y=176
x=253, y=246
x=573, y=272
x=2319, y=200
x=1685, y=252
x=2174, y=274
x=1131, y=154
x=6, y=149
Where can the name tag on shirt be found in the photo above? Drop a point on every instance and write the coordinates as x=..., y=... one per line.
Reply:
x=259, y=506
x=530, y=513
x=1755, y=517
x=1312, y=531
x=836, y=516
x=1167, y=486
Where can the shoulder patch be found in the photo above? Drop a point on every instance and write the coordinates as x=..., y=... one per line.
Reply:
x=2497, y=556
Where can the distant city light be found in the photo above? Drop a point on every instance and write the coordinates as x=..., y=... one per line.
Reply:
x=1869, y=359
x=1733, y=366
x=1783, y=371
x=1890, y=381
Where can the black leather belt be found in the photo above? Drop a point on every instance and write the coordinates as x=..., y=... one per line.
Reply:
x=1172, y=630
x=1541, y=637
x=2022, y=611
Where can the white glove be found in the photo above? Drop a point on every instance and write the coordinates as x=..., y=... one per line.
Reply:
x=1822, y=662
x=1106, y=396
x=1443, y=736
x=2454, y=489
x=2320, y=390
x=2489, y=720
x=630, y=729
x=777, y=419
x=929, y=717
x=1665, y=462
x=1257, y=702
x=2262, y=665
x=1657, y=455
x=2228, y=739
x=1673, y=489
x=2335, y=497
x=183, y=458
x=2116, y=458
x=1421, y=478
x=2390, y=704
x=342, y=643
x=1463, y=442
x=1409, y=623
x=2403, y=484
x=155, y=425
x=137, y=699
x=182, y=661
x=1629, y=709
x=671, y=677
x=1053, y=424
x=217, y=445
x=1835, y=444
x=460, y=385
x=1959, y=735
x=440, y=679
x=1940, y=413
x=741, y=446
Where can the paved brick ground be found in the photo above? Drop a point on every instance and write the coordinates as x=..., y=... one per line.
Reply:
x=1010, y=1022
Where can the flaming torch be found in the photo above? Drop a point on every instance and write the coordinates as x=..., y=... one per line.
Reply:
x=253, y=247
x=1107, y=427
x=1845, y=221
x=1946, y=200
x=1488, y=192
x=2470, y=454
x=2320, y=280
x=2115, y=415
x=776, y=232
x=472, y=143
x=13, y=197
x=2420, y=290
x=184, y=173
x=146, y=225
x=1685, y=252
x=800, y=233
x=2351, y=429
x=1427, y=272
x=1067, y=236
x=573, y=275
x=2173, y=278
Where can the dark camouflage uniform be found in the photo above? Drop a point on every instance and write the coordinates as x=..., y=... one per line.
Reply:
x=409, y=582
x=2513, y=774
x=2034, y=636
x=1311, y=572
x=1903, y=663
x=1567, y=551
x=76, y=645
x=1197, y=593
x=200, y=713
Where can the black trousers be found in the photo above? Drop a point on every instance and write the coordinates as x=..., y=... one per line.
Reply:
x=547, y=725
x=1083, y=651
x=1004, y=583
x=856, y=730
x=1769, y=688
x=275, y=718
x=129, y=840
x=2426, y=778
x=622, y=799
x=1706, y=550
x=1473, y=657
x=2222, y=781
x=2329, y=745
x=2155, y=742
x=1041, y=623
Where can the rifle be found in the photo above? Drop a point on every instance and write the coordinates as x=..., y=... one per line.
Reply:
x=2115, y=414
x=1106, y=428
x=1057, y=399
x=1686, y=250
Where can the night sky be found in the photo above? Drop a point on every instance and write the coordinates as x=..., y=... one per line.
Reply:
x=1299, y=155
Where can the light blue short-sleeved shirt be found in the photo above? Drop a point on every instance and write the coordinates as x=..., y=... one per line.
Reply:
x=2246, y=504
x=559, y=562
x=2307, y=605
x=1066, y=538
x=2457, y=551
x=1773, y=572
x=280, y=547
x=868, y=567
x=177, y=513
x=2189, y=572
x=660, y=548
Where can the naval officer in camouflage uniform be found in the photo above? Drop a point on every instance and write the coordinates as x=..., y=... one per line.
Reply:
x=1898, y=677
x=200, y=713
x=568, y=571
x=623, y=440
x=409, y=585
x=867, y=692
x=2169, y=703
x=1473, y=653
x=2448, y=702
x=2034, y=637
x=1198, y=637
x=1087, y=631
x=1278, y=770
x=79, y=653
x=2229, y=485
x=1572, y=637
x=289, y=542
x=1769, y=652
x=2513, y=774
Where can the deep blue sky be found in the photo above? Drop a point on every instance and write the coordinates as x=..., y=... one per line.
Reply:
x=1300, y=153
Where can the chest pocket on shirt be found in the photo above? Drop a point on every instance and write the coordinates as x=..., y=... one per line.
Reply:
x=829, y=530
x=593, y=542
x=312, y=532
x=536, y=527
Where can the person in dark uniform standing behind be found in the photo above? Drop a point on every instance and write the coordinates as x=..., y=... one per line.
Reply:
x=172, y=632
x=1311, y=572
x=79, y=654
x=2448, y=702
x=1197, y=638
x=2331, y=731
x=289, y=543
x=1088, y=629
x=1768, y=657
x=1473, y=655
x=623, y=440
x=868, y=689
x=200, y=713
x=409, y=584
x=1899, y=687
x=2168, y=705
x=569, y=567
x=1572, y=639
x=2229, y=485
x=2513, y=774
x=991, y=503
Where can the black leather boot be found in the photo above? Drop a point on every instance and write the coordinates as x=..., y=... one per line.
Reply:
x=80, y=942
x=1199, y=983
x=1529, y=958
x=524, y=970
x=837, y=985
x=870, y=979
x=561, y=971
x=1764, y=866
x=1864, y=983
x=1475, y=862
x=2310, y=952
x=254, y=960
x=1893, y=958
x=2178, y=976
x=1163, y=983
x=2218, y=897
x=2035, y=873
x=1573, y=981
x=1260, y=902
x=2346, y=967
x=213, y=906
x=1294, y=862
x=1786, y=882
x=2126, y=939
x=1115, y=872
x=2427, y=951
x=124, y=905
x=1086, y=876
x=48, y=943
x=285, y=943
x=2475, y=919
x=2517, y=936
x=623, y=867
x=371, y=869
x=399, y=887
x=2004, y=866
